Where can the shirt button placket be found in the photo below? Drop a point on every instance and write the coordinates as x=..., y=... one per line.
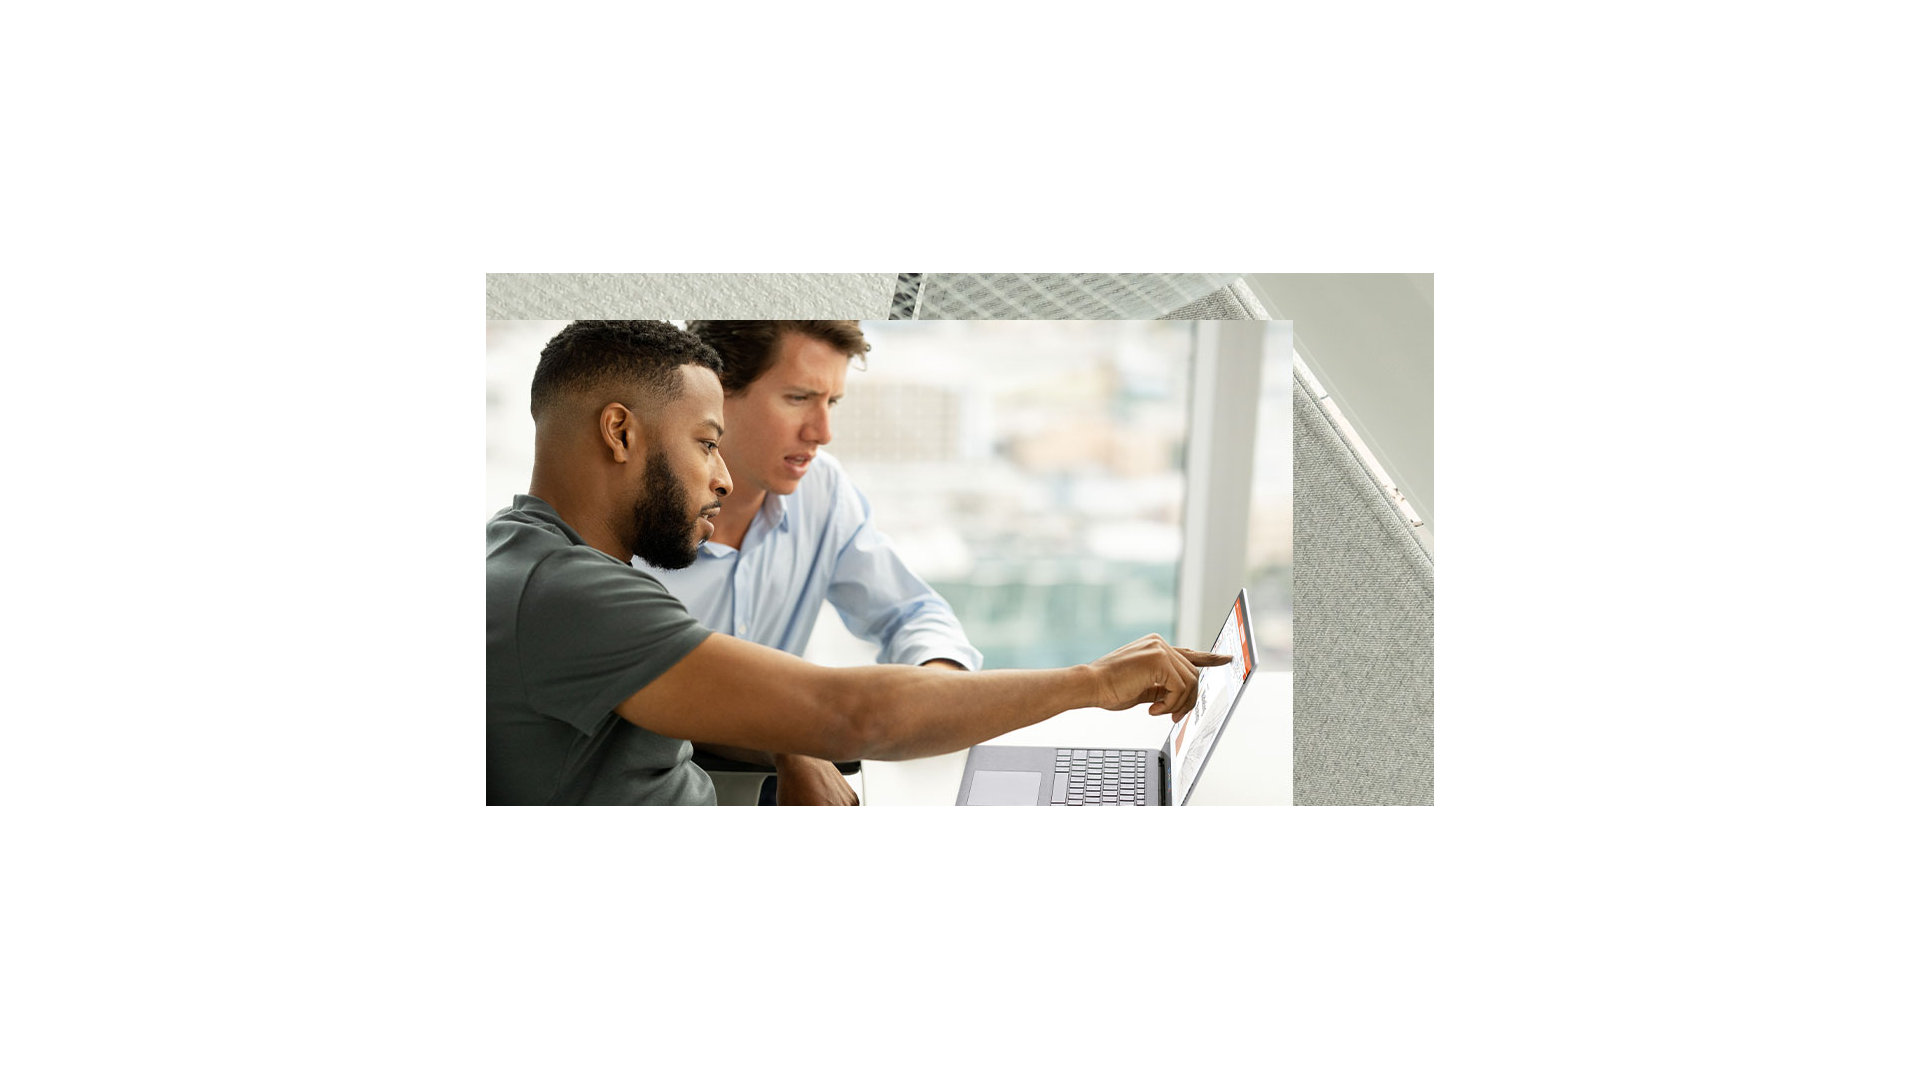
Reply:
x=742, y=608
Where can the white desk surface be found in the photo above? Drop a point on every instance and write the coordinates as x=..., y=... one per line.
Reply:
x=1252, y=763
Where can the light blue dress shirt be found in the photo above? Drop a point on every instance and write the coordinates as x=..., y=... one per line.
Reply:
x=814, y=546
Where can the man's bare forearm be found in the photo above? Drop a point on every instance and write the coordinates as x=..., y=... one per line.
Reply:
x=913, y=712
x=736, y=693
x=771, y=760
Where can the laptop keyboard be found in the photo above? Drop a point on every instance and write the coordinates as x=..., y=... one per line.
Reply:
x=1100, y=777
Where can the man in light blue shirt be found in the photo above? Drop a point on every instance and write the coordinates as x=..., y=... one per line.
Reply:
x=795, y=532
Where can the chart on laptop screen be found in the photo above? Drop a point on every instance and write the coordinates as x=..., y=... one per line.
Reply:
x=1194, y=735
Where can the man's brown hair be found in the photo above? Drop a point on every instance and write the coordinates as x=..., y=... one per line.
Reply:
x=746, y=345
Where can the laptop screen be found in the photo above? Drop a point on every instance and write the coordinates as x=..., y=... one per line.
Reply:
x=1191, y=741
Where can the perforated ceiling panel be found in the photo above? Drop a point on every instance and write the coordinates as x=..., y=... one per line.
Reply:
x=1049, y=296
x=689, y=296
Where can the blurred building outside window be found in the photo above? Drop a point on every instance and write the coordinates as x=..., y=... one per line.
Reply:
x=1030, y=471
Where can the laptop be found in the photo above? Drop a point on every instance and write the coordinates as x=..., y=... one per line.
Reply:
x=1084, y=776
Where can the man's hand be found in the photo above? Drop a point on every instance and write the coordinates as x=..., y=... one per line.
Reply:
x=1150, y=670
x=809, y=781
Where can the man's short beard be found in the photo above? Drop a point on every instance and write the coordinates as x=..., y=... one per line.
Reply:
x=663, y=534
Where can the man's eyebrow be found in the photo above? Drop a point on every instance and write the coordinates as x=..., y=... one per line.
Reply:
x=807, y=391
x=715, y=425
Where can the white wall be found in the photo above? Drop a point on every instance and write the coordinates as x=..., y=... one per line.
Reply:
x=1369, y=340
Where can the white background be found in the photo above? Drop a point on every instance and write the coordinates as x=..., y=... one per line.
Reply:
x=1673, y=728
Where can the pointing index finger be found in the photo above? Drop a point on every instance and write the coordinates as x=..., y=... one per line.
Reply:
x=1206, y=659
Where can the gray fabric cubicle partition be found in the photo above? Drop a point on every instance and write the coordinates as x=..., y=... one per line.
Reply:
x=1362, y=610
x=1362, y=628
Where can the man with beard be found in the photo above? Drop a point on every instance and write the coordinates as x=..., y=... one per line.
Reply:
x=598, y=679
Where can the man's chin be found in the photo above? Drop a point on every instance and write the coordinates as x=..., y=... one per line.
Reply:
x=670, y=560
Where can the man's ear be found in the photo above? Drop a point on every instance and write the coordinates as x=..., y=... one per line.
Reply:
x=620, y=431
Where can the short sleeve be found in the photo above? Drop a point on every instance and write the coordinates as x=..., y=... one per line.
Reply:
x=593, y=632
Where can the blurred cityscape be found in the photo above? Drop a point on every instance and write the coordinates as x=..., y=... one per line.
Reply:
x=1030, y=471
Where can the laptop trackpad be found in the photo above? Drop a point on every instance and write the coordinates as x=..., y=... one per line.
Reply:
x=1004, y=789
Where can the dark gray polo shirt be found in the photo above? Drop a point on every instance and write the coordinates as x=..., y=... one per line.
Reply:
x=571, y=633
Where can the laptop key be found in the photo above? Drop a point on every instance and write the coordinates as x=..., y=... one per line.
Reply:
x=1059, y=786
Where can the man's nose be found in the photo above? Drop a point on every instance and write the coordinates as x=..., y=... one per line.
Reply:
x=722, y=482
x=821, y=429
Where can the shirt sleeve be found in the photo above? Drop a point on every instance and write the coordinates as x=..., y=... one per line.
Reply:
x=883, y=602
x=593, y=632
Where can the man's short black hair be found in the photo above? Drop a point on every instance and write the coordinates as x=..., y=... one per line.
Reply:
x=611, y=355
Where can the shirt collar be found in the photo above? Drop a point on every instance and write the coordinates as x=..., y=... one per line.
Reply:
x=773, y=511
x=539, y=509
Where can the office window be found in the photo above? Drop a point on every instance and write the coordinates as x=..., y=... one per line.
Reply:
x=1030, y=471
x=1270, y=516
